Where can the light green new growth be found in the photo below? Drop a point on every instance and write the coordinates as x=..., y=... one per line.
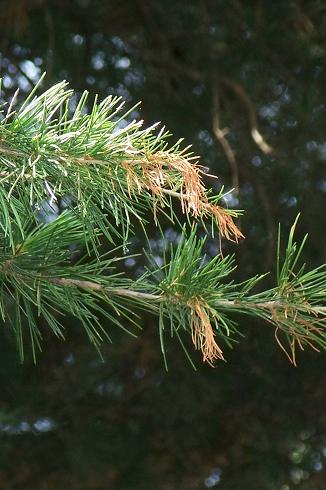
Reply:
x=109, y=175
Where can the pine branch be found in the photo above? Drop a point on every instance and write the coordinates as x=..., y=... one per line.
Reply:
x=45, y=151
x=192, y=294
x=109, y=174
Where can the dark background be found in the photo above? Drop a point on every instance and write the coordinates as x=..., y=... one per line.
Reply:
x=255, y=422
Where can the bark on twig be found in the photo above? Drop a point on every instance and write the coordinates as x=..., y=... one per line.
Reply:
x=220, y=134
x=128, y=293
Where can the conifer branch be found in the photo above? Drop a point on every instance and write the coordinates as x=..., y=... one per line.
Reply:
x=111, y=174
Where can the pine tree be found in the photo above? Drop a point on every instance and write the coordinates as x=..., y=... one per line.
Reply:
x=108, y=176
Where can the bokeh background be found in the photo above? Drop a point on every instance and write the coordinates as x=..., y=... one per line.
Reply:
x=244, y=82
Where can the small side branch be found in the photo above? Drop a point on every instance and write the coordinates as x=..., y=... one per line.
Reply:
x=220, y=136
x=94, y=286
x=245, y=99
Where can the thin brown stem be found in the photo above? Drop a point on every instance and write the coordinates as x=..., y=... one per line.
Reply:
x=14, y=153
x=94, y=286
x=245, y=99
x=129, y=293
x=220, y=134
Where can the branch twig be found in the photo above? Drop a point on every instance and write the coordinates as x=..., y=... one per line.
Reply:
x=197, y=75
x=129, y=293
x=245, y=99
x=94, y=286
x=220, y=136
